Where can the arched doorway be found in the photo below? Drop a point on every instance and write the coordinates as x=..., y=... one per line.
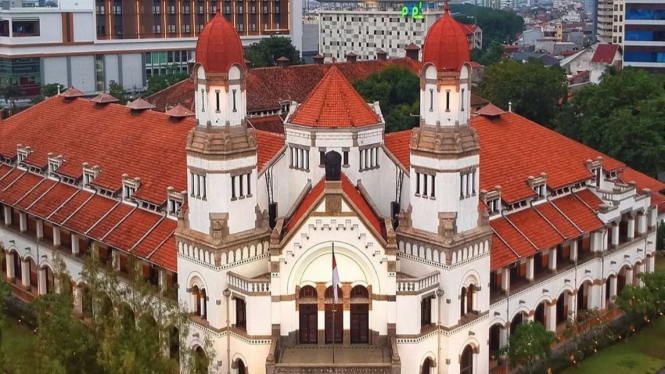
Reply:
x=539, y=315
x=561, y=310
x=17, y=267
x=583, y=296
x=622, y=280
x=466, y=361
x=241, y=368
x=199, y=361
x=308, y=315
x=608, y=289
x=34, y=276
x=334, y=311
x=127, y=320
x=495, y=337
x=427, y=366
x=49, y=281
x=174, y=343
x=517, y=320
x=359, y=315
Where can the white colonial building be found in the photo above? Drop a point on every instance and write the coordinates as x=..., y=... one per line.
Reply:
x=446, y=237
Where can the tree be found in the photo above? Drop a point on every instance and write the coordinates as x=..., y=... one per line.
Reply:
x=621, y=117
x=647, y=300
x=529, y=343
x=118, y=91
x=660, y=237
x=10, y=93
x=5, y=291
x=498, y=25
x=48, y=90
x=159, y=82
x=397, y=90
x=533, y=89
x=268, y=50
x=489, y=56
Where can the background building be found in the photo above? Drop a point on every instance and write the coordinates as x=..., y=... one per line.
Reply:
x=367, y=28
x=88, y=43
x=644, y=36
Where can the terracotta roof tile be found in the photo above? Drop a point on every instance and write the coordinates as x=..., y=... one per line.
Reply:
x=166, y=255
x=111, y=135
x=359, y=201
x=334, y=103
x=446, y=45
x=307, y=202
x=35, y=194
x=156, y=238
x=10, y=177
x=179, y=111
x=558, y=220
x=132, y=229
x=513, y=238
x=508, y=158
x=218, y=47
x=269, y=145
x=52, y=200
x=644, y=181
x=501, y=254
x=70, y=206
x=490, y=110
x=399, y=144
x=269, y=123
x=88, y=214
x=21, y=186
x=106, y=224
x=590, y=199
x=580, y=214
x=536, y=229
x=266, y=87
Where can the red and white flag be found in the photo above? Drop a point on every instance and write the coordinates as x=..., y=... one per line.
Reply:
x=335, y=274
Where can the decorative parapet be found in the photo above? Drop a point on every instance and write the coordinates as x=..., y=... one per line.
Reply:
x=249, y=286
x=413, y=286
x=619, y=192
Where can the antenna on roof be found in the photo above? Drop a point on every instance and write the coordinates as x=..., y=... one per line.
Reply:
x=510, y=106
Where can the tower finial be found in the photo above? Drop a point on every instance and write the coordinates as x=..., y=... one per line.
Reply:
x=219, y=6
x=446, y=6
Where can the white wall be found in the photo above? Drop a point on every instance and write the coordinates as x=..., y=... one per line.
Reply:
x=132, y=70
x=55, y=70
x=83, y=73
x=84, y=27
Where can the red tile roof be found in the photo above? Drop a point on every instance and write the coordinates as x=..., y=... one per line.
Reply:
x=469, y=29
x=583, y=217
x=21, y=186
x=605, y=53
x=399, y=144
x=512, y=237
x=132, y=229
x=273, y=124
x=156, y=238
x=219, y=47
x=490, y=110
x=560, y=221
x=106, y=136
x=35, y=194
x=501, y=254
x=52, y=200
x=508, y=156
x=269, y=144
x=590, y=199
x=351, y=193
x=71, y=206
x=166, y=255
x=266, y=87
x=89, y=213
x=534, y=227
x=334, y=103
x=446, y=45
x=104, y=226
x=644, y=181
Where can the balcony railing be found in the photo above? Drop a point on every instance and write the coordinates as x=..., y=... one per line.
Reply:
x=249, y=286
x=618, y=193
x=418, y=285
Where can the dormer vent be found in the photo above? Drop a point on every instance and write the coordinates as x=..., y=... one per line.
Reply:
x=129, y=186
x=492, y=199
x=54, y=162
x=22, y=152
x=103, y=99
x=71, y=93
x=175, y=201
x=595, y=167
x=139, y=105
x=89, y=174
x=538, y=185
x=179, y=112
x=490, y=111
x=283, y=62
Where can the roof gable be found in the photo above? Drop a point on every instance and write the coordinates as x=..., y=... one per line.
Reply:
x=605, y=53
x=334, y=103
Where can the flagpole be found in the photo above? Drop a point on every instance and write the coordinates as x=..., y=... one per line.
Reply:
x=333, y=309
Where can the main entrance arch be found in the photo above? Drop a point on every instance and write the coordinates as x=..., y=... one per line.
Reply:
x=308, y=315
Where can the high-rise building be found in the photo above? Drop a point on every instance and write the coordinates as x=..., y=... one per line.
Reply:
x=88, y=43
x=644, y=34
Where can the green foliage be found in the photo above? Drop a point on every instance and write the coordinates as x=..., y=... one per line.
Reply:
x=118, y=91
x=5, y=291
x=268, y=50
x=488, y=56
x=10, y=93
x=648, y=300
x=533, y=89
x=397, y=91
x=498, y=25
x=159, y=82
x=529, y=343
x=621, y=117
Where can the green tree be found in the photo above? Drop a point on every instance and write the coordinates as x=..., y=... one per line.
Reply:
x=489, y=56
x=5, y=291
x=621, y=117
x=646, y=300
x=48, y=90
x=529, y=343
x=533, y=89
x=118, y=91
x=397, y=91
x=660, y=237
x=498, y=25
x=268, y=50
x=159, y=82
x=10, y=93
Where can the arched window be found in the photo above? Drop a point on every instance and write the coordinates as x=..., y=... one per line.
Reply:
x=469, y=298
x=466, y=361
x=359, y=292
x=307, y=294
x=427, y=367
x=196, y=300
x=204, y=304
x=463, y=295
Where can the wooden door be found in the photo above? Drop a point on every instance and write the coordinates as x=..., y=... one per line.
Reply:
x=308, y=324
x=359, y=324
x=338, y=324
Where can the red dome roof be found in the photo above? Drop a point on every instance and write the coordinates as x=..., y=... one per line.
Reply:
x=446, y=45
x=219, y=46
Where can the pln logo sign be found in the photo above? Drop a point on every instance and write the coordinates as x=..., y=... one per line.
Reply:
x=415, y=10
